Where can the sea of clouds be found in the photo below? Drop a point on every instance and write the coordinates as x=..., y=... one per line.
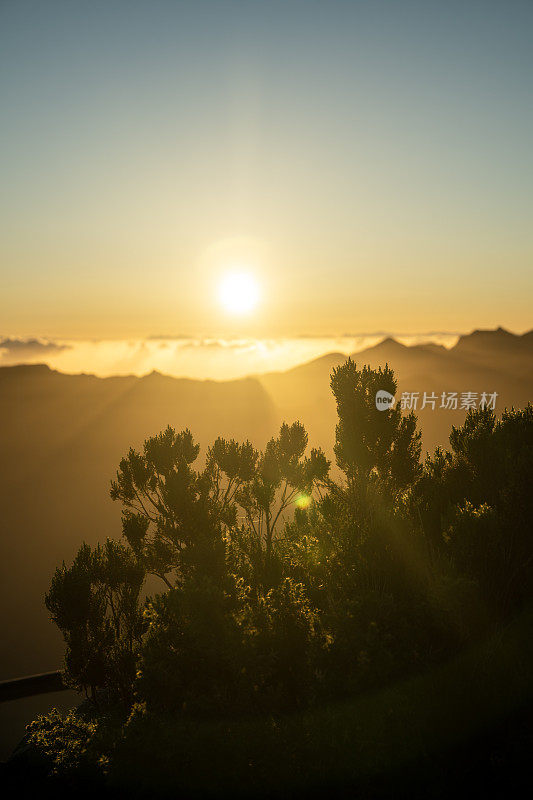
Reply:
x=203, y=358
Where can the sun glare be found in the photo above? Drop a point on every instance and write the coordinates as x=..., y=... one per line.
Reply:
x=239, y=293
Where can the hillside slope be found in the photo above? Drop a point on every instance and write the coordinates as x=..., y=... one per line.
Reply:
x=483, y=361
x=62, y=437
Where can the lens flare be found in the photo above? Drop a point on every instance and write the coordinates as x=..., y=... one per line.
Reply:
x=303, y=500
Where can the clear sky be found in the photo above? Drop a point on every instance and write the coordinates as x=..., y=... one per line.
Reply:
x=369, y=163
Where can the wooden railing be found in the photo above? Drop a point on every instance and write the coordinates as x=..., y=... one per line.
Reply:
x=31, y=685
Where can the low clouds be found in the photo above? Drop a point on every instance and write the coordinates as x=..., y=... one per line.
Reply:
x=182, y=357
x=21, y=351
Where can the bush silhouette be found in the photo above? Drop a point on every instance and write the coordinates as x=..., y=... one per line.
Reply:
x=285, y=585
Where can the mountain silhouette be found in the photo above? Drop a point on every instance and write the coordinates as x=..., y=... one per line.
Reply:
x=62, y=437
x=483, y=361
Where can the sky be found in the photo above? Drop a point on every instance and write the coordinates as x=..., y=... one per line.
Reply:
x=368, y=163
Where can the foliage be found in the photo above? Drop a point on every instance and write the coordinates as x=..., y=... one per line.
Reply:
x=95, y=604
x=70, y=745
x=370, y=444
x=176, y=518
x=286, y=587
x=476, y=503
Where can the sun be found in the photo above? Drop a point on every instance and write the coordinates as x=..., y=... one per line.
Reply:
x=239, y=292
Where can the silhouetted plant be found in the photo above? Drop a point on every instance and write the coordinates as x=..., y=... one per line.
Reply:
x=285, y=586
x=370, y=442
x=283, y=475
x=477, y=504
x=175, y=518
x=95, y=604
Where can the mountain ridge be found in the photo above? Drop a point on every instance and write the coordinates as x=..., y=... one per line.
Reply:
x=62, y=437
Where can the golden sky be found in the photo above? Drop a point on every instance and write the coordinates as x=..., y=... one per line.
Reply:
x=370, y=168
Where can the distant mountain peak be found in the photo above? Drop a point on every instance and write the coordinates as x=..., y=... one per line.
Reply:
x=27, y=369
x=499, y=332
x=389, y=342
x=433, y=347
x=486, y=336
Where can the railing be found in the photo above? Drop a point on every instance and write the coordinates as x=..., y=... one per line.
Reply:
x=31, y=685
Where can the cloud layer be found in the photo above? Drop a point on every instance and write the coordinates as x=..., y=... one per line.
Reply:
x=214, y=358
